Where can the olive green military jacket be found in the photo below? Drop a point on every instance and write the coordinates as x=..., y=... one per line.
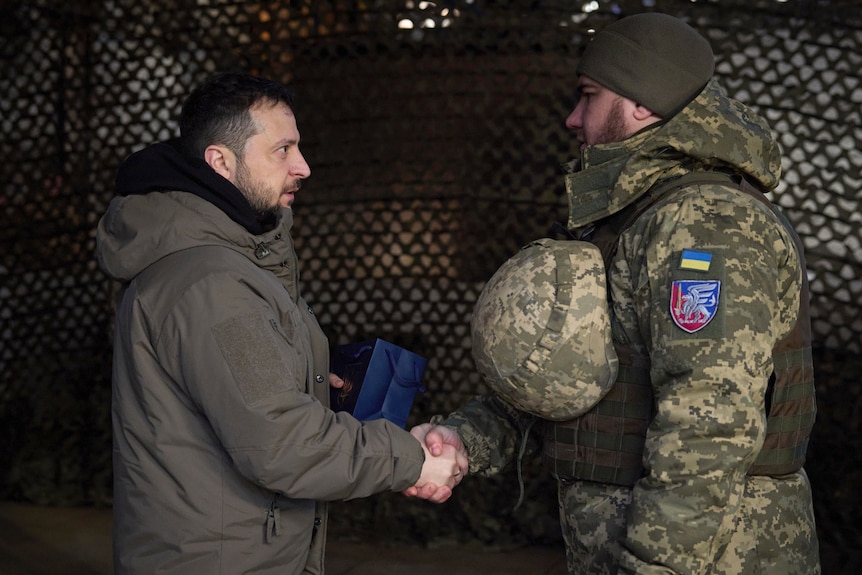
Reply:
x=225, y=450
x=703, y=284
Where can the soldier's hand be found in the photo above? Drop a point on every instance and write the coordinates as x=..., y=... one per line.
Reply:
x=437, y=439
x=436, y=436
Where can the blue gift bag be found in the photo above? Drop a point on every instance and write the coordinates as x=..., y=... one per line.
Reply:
x=380, y=380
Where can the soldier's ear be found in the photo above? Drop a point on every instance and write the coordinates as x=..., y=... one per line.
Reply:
x=642, y=114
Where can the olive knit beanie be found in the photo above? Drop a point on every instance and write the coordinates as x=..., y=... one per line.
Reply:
x=655, y=59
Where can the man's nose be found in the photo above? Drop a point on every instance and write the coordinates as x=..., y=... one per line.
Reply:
x=300, y=168
x=573, y=120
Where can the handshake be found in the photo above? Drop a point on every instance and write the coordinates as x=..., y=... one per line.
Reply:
x=446, y=462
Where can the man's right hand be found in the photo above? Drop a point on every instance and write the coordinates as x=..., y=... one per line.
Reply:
x=435, y=439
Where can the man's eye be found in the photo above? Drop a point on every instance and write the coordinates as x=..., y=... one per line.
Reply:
x=583, y=95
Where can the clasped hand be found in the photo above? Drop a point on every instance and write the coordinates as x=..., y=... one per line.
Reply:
x=445, y=465
x=446, y=461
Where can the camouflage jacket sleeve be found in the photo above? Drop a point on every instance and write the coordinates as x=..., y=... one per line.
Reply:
x=493, y=432
x=706, y=282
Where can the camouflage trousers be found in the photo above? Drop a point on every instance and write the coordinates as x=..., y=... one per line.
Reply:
x=773, y=535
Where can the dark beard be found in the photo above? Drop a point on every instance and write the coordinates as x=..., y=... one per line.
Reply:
x=266, y=215
x=615, y=126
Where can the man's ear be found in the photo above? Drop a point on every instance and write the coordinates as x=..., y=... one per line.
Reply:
x=641, y=113
x=221, y=160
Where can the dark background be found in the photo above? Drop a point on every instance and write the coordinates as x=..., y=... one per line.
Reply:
x=434, y=131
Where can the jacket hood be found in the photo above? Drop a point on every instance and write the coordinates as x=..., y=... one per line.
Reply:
x=713, y=132
x=162, y=167
x=166, y=202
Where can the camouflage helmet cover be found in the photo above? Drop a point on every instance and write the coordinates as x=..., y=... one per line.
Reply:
x=541, y=332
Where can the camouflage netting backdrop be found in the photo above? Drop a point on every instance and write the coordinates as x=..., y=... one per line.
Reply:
x=435, y=133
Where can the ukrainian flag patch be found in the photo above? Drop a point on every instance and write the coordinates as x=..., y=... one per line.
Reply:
x=692, y=260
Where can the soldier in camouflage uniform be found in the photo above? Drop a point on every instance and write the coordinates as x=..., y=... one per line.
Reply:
x=692, y=463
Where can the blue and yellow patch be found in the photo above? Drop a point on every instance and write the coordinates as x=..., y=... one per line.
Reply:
x=692, y=260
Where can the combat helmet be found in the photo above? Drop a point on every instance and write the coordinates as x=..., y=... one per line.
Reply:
x=541, y=331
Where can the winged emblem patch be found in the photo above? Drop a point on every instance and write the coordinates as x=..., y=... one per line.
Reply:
x=693, y=303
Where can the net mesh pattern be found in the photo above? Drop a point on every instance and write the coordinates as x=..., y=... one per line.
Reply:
x=435, y=132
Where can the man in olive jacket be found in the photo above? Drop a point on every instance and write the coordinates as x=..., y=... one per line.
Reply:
x=692, y=463
x=225, y=451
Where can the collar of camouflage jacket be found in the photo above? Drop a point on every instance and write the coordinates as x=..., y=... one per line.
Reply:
x=712, y=132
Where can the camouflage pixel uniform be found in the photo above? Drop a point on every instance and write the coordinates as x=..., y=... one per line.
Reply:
x=669, y=473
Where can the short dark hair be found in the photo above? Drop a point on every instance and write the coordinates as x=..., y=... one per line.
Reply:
x=218, y=111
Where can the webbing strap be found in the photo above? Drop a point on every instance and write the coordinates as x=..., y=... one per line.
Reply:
x=605, y=444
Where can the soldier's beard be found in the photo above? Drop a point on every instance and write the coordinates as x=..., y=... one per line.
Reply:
x=615, y=129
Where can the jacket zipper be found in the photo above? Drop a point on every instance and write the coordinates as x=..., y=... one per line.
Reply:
x=273, y=519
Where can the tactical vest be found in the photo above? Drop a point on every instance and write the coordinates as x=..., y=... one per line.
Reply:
x=606, y=444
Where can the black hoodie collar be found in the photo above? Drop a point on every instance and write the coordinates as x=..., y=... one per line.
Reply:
x=162, y=167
